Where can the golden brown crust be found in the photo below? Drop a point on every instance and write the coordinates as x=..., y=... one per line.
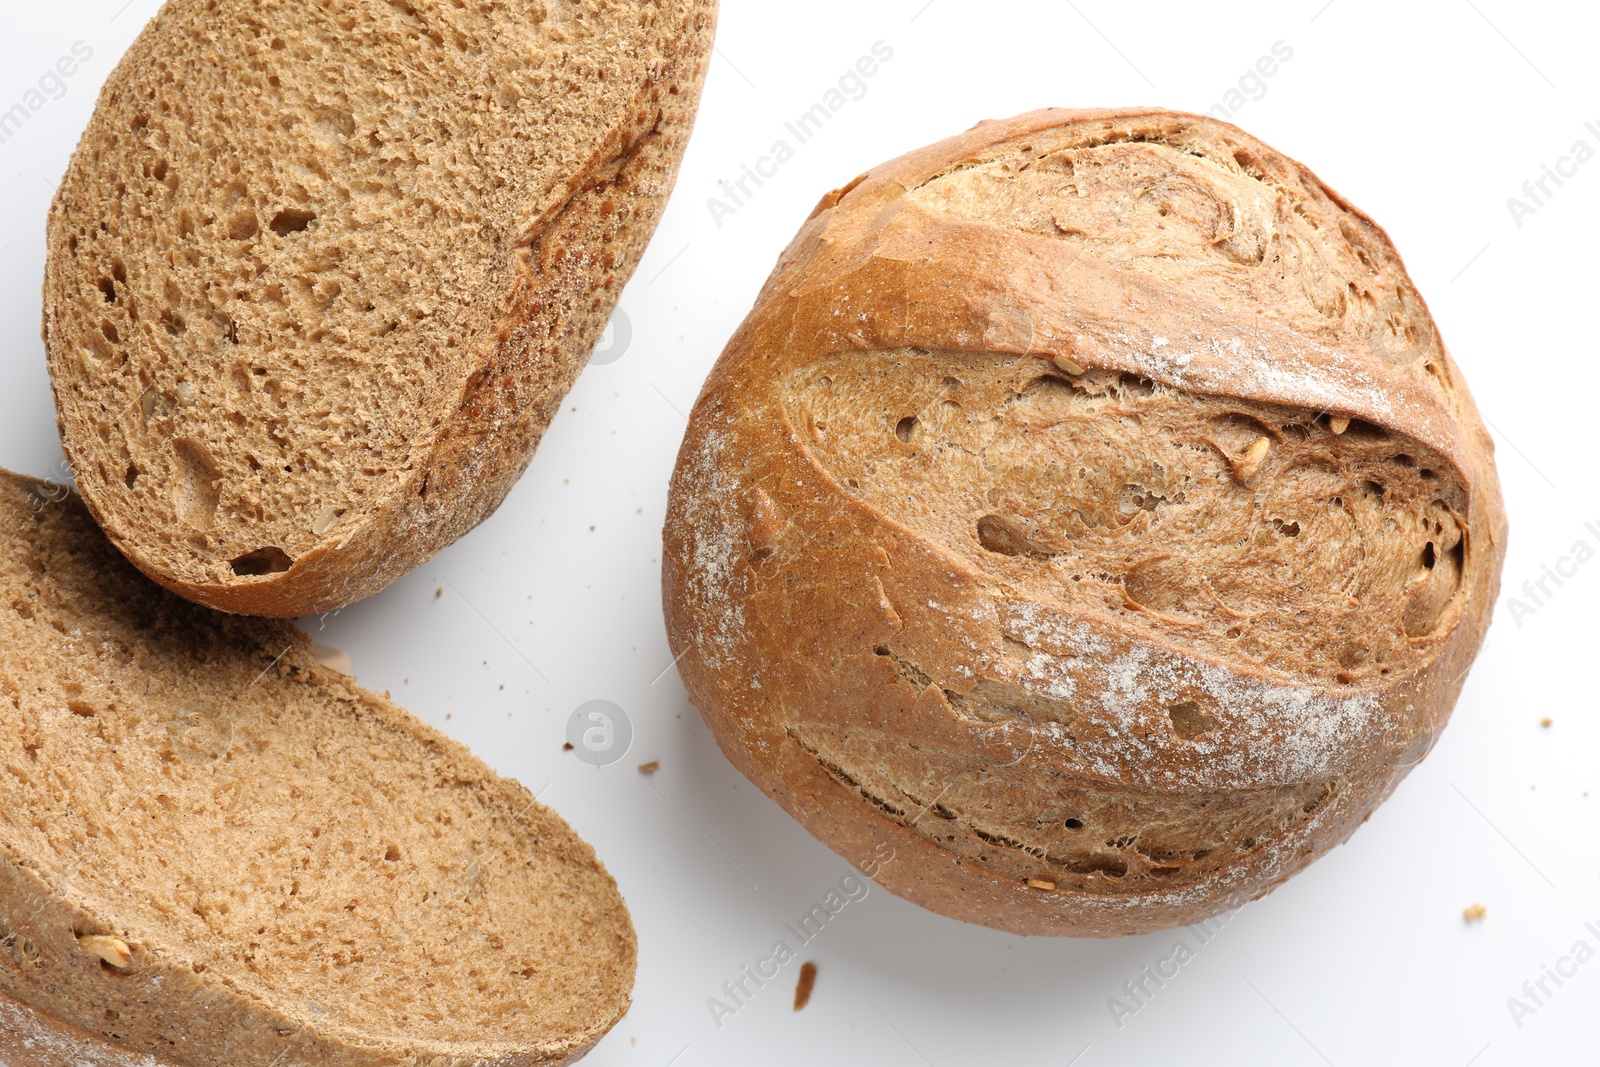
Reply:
x=569, y=262
x=1022, y=701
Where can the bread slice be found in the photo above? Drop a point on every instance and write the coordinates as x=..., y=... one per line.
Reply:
x=1090, y=517
x=320, y=274
x=214, y=850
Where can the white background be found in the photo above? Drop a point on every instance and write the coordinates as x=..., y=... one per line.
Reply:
x=1426, y=115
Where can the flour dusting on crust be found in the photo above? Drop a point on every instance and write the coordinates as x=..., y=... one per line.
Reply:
x=712, y=489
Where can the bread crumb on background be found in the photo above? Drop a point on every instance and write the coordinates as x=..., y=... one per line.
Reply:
x=1474, y=912
x=1546, y=722
x=650, y=768
x=803, y=988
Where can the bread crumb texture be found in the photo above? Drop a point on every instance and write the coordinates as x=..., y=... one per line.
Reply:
x=319, y=274
x=215, y=850
x=1088, y=503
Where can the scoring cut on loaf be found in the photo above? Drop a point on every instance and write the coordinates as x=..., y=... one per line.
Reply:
x=320, y=273
x=214, y=850
x=1089, y=510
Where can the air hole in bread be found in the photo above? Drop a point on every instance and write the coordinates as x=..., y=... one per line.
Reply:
x=1073, y=824
x=109, y=289
x=1189, y=722
x=907, y=428
x=1133, y=498
x=292, y=220
x=1003, y=535
x=1367, y=430
x=262, y=561
x=22, y=950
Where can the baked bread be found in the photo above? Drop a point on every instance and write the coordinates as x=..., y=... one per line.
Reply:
x=1088, y=512
x=320, y=273
x=215, y=851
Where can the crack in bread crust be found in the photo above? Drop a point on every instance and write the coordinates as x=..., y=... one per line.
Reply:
x=1184, y=203
x=1099, y=839
x=1338, y=560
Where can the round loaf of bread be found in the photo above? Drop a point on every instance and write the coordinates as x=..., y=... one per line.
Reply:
x=1087, y=527
x=320, y=273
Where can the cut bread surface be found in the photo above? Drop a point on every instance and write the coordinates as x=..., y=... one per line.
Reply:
x=214, y=850
x=320, y=272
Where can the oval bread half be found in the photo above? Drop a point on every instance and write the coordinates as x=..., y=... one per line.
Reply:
x=214, y=850
x=320, y=273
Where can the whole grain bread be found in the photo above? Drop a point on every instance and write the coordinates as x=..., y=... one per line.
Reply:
x=1089, y=513
x=320, y=273
x=215, y=851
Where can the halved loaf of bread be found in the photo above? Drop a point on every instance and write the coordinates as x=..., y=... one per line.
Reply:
x=1089, y=515
x=320, y=274
x=214, y=850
